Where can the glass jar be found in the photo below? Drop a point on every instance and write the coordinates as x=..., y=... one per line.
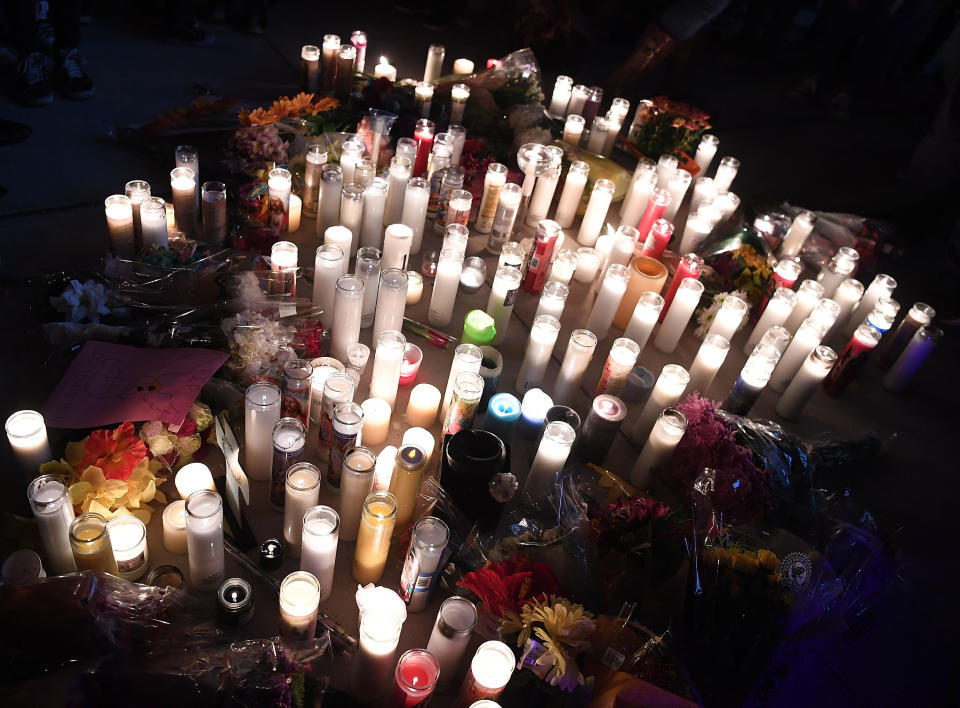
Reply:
x=90, y=542
x=377, y=521
x=128, y=536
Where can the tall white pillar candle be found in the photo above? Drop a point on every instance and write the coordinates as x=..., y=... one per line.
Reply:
x=777, y=311
x=351, y=152
x=329, y=265
x=414, y=215
x=53, y=512
x=368, y=270
x=578, y=98
x=808, y=295
x=657, y=451
x=608, y=299
x=729, y=317
x=302, y=493
x=205, y=539
x=847, y=295
x=882, y=286
x=374, y=202
x=351, y=217
x=807, y=380
x=348, y=309
x=503, y=295
x=666, y=392
x=466, y=357
x=397, y=240
x=558, y=438
x=543, y=337
x=644, y=318
x=331, y=192
x=356, y=482
x=588, y=263
x=800, y=229
x=596, y=214
x=562, y=89
x=261, y=413
x=709, y=359
x=573, y=186
x=385, y=378
x=806, y=339
x=635, y=203
x=678, y=315
x=564, y=266
x=695, y=231
x=573, y=129
x=677, y=187
x=704, y=191
x=391, y=301
x=318, y=555
x=838, y=269
x=137, y=191
x=432, y=69
x=552, y=299
x=726, y=171
x=423, y=98
x=398, y=177
x=666, y=167
x=542, y=197
x=314, y=160
x=706, y=151
x=299, y=598
x=459, y=95
x=579, y=352
x=449, y=266
x=373, y=662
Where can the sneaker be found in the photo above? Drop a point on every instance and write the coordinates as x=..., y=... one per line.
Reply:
x=190, y=33
x=74, y=81
x=33, y=80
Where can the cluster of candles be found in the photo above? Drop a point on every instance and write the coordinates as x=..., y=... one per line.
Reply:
x=579, y=106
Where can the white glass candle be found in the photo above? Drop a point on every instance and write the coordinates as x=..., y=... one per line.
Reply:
x=706, y=151
x=423, y=97
x=800, y=229
x=372, y=664
x=638, y=195
x=153, y=222
x=383, y=470
x=807, y=380
x=710, y=358
x=213, y=197
x=205, y=539
x=376, y=420
x=579, y=352
x=433, y=67
x=367, y=269
x=595, y=215
x=193, y=478
x=331, y=193
x=588, y=263
x=561, y=96
x=414, y=287
x=695, y=231
x=299, y=600
x=283, y=268
x=137, y=191
x=564, y=266
x=391, y=301
x=666, y=434
x=543, y=337
x=318, y=556
x=882, y=286
x=677, y=187
x=505, y=217
x=279, y=183
x=572, y=193
x=356, y=483
x=449, y=267
x=912, y=357
x=261, y=413
x=451, y=634
x=620, y=362
x=704, y=191
x=351, y=152
x=678, y=315
x=826, y=311
x=552, y=299
x=808, y=295
x=847, y=295
x=466, y=357
x=729, y=317
x=503, y=295
x=838, y=269
x=374, y=202
x=558, y=438
x=666, y=392
x=578, y=97
x=608, y=299
x=328, y=61
x=493, y=182
x=53, y=512
x=428, y=542
x=666, y=167
x=27, y=435
x=314, y=160
x=386, y=366
x=542, y=197
x=302, y=493
x=644, y=318
x=175, y=527
x=347, y=233
x=726, y=171
x=423, y=405
x=624, y=241
x=416, y=196
x=459, y=95
x=119, y=213
x=777, y=311
x=490, y=671
x=183, y=182
x=323, y=367
x=399, y=175
x=397, y=239
x=459, y=134
x=573, y=129
x=806, y=339
x=128, y=537
x=329, y=265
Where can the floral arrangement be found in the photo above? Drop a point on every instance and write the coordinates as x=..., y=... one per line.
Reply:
x=744, y=269
x=552, y=634
x=530, y=124
x=301, y=105
x=81, y=302
x=705, y=315
x=201, y=109
x=740, y=487
x=178, y=253
x=255, y=144
x=254, y=342
x=621, y=524
x=178, y=445
x=666, y=127
x=505, y=586
x=109, y=473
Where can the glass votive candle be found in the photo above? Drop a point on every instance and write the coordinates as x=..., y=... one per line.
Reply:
x=377, y=521
x=473, y=274
x=27, y=435
x=235, y=602
x=588, y=263
x=358, y=355
x=512, y=254
x=299, y=600
x=414, y=287
x=119, y=212
x=410, y=366
x=90, y=542
x=490, y=671
x=128, y=536
x=414, y=679
x=429, y=264
x=564, y=266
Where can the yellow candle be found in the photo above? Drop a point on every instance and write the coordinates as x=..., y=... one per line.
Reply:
x=423, y=405
x=405, y=482
x=91, y=544
x=373, y=539
x=296, y=207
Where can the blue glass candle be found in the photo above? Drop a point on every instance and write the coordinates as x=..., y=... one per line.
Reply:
x=503, y=412
x=533, y=410
x=754, y=377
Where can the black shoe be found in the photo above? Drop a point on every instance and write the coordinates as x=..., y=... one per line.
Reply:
x=33, y=80
x=12, y=132
x=192, y=34
x=74, y=81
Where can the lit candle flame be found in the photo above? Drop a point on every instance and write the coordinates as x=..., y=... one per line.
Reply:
x=383, y=60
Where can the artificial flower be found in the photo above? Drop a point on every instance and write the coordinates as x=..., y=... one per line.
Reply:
x=82, y=301
x=506, y=585
x=116, y=451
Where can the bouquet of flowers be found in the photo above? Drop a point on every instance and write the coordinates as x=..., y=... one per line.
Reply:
x=504, y=586
x=177, y=445
x=667, y=127
x=258, y=345
x=738, y=261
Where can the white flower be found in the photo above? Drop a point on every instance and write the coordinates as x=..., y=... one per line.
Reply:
x=705, y=315
x=86, y=301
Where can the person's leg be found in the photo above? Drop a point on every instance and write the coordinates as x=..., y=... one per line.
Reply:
x=32, y=85
x=72, y=77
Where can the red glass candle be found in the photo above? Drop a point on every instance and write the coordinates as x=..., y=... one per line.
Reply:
x=423, y=133
x=414, y=680
x=410, y=366
x=657, y=241
x=539, y=265
x=863, y=341
x=688, y=267
x=656, y=205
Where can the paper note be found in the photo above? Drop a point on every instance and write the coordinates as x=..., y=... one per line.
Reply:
x=114, y=383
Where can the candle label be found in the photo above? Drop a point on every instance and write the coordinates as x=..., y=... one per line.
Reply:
x=282, y=460
x=488, y=209
x=296, y=401
x=612, y=379
x=131, y=565
x=279, y=219
x=436, y=181
x=461, y=415
x=511, y=297
x=340, y=445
